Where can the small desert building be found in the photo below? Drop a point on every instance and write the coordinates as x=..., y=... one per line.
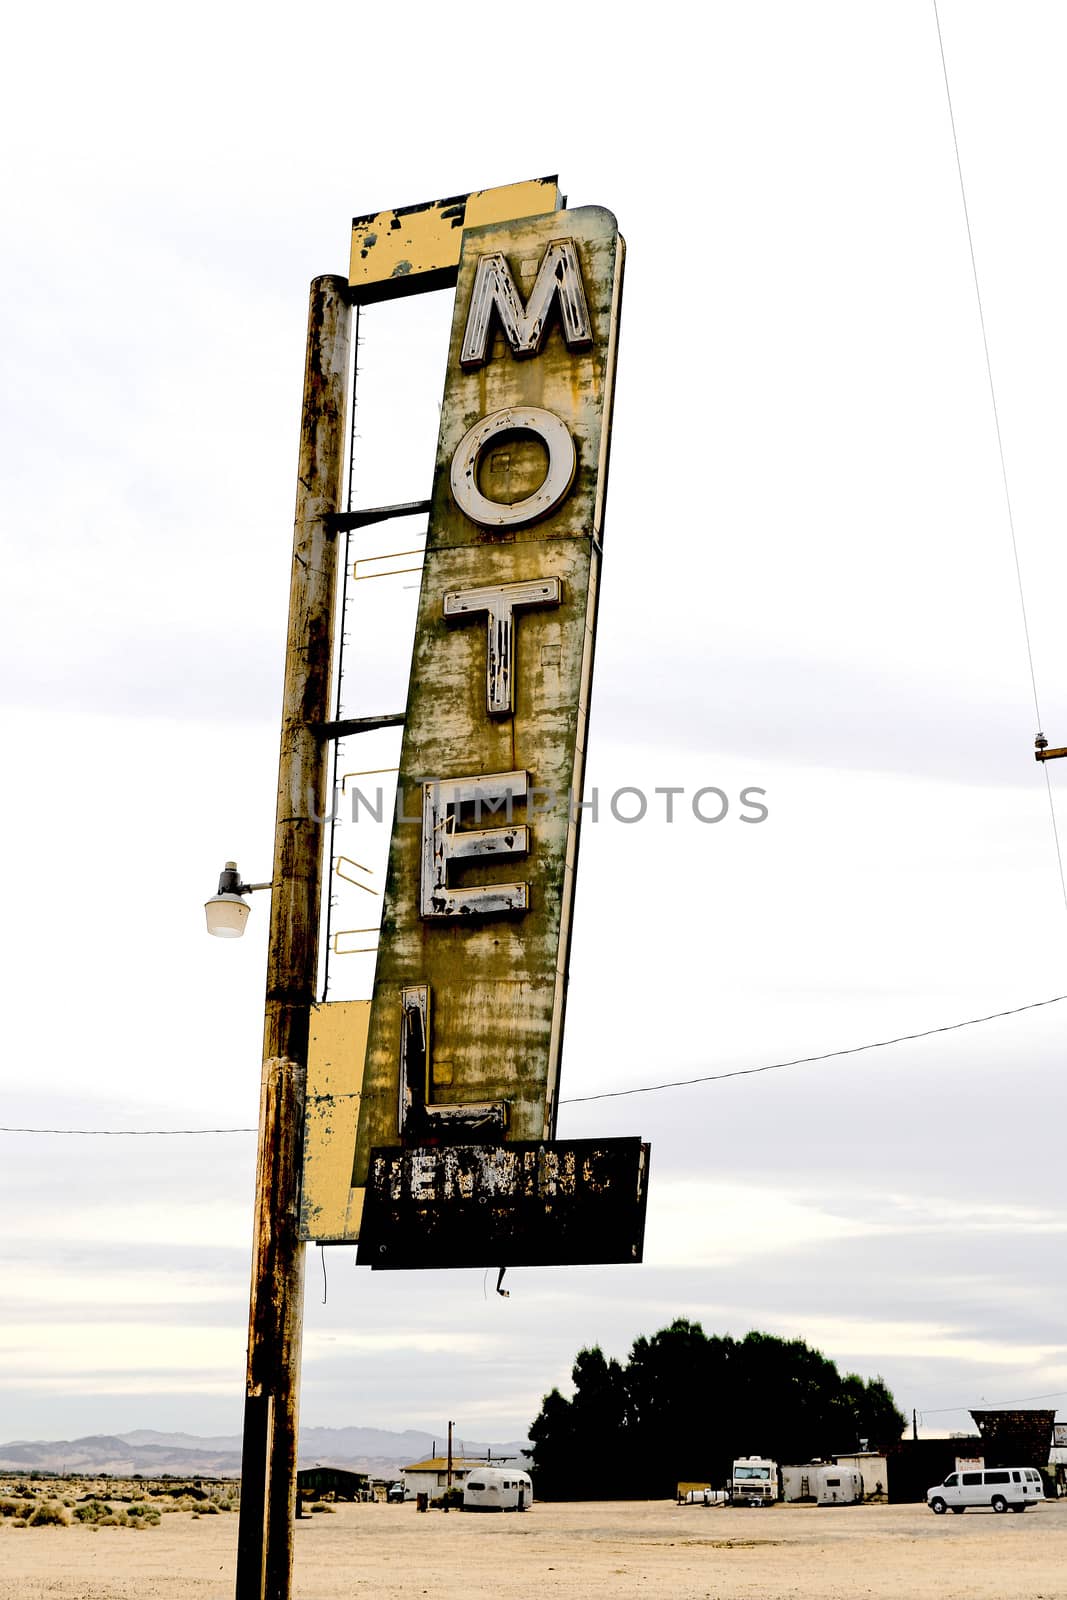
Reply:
x=331, y=1483
x=875, y=1469
x=431, y=1476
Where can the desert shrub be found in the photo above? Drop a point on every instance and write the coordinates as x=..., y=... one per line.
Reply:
x=48, y=1514
x=321, y=1505
x=19, y=1522
x=91, y=1511
x=9, y=1508
x=208, y=1508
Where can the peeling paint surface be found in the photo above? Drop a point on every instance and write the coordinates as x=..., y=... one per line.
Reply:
x=412, y=248
x=488, y=937
x=526, y=1204
x=329, y=1206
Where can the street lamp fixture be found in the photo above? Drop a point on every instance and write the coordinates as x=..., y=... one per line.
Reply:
x=227, y=910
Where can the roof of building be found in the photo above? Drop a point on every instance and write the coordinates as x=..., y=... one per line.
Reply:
x=440, y=1464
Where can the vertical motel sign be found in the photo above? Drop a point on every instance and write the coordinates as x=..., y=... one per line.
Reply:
x=454, y=1161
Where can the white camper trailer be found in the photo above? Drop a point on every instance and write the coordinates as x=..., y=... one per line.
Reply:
x=839, y=1486
x=824, y=1482
x=497, y=1489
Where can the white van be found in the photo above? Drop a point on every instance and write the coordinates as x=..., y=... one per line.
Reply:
x=497, y=1489
x=999, y=1487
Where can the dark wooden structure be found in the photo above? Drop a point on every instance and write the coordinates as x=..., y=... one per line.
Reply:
x=331, y=1483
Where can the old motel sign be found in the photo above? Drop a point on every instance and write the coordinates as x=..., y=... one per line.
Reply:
x=453, y=1143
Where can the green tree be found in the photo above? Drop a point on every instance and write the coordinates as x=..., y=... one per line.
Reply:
x=685, y=1405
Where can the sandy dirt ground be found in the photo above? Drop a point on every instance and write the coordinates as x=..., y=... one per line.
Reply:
x=628, y=1551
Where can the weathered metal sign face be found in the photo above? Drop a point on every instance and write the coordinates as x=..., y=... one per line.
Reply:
x=523, y=1204
x=464, y=1030
x=466, y=1020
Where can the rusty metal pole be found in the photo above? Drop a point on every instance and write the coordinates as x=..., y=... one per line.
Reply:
x=275, y=1318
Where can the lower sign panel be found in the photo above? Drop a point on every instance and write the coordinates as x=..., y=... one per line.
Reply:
x=535, y=1204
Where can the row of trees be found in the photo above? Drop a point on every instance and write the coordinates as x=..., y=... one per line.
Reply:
x=686, y=1404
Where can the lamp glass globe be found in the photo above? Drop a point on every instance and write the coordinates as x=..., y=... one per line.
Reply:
x=226, y=916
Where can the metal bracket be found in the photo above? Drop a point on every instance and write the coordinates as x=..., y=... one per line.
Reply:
x=349, y=521
x=342, y=729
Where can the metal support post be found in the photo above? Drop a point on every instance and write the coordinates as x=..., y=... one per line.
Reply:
x=268, y=1463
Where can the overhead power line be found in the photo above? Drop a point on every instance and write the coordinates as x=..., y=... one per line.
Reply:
x=614, y=1094
x=1000, y=447
x=130, y=1133
x=991, y=1405
x=802, y=1061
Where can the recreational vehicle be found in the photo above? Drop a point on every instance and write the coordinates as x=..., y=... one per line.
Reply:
x=497, y=1489
x=753, y=1481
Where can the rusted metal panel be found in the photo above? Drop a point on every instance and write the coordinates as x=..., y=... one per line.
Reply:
x=414, y=248
x=517, y=1205
x=495, y=731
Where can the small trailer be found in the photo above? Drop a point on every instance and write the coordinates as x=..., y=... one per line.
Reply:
x=823, y=1482
x=839, y=1486
x=497, y=1489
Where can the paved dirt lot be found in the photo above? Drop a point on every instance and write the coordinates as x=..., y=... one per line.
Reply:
x=654, y=1551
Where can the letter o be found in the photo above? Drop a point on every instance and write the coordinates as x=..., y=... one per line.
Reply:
x=696, y=806
x=617, y=814
x=562, y=464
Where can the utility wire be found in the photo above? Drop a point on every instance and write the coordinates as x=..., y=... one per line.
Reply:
x=615, y=1094
x=130, y=1133
x=801, y=1061
x=1000, y=443
x=988, y=366
x=992, y=1405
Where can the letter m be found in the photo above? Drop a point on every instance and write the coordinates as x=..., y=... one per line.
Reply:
x=524, y=326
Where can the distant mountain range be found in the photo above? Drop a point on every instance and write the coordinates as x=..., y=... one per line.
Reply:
x=373, y=1450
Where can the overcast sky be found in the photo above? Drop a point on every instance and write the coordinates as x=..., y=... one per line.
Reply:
x=808, y=586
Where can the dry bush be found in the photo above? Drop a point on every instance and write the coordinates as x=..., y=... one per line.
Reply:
x=48, y=1514
x=91, y=1511
x=321, y=1505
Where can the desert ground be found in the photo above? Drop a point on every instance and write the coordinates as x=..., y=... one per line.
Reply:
x=591, y=1551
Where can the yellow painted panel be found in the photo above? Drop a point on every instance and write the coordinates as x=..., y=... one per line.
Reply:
x=330, y=1208
x=417, y=247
